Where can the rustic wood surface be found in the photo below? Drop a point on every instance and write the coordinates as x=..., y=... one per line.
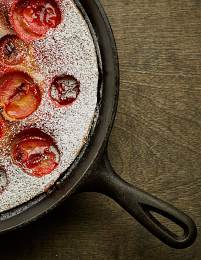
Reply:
x=155, y=144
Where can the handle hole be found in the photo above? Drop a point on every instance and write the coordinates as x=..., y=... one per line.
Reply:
x=168, y=224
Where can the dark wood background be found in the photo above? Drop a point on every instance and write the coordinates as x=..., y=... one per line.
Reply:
x=155, y=144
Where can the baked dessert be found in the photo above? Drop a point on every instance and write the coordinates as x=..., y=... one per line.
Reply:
x=48, y=94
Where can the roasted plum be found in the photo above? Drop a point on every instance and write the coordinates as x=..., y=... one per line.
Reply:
x=64, y=90
x=19, y=95
x=13, y=50
x=32, y=19
x=35, y=153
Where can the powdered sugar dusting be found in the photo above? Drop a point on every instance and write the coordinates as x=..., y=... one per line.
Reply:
x=67, y=50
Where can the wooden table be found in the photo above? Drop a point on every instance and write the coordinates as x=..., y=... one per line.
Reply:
x=155, y=144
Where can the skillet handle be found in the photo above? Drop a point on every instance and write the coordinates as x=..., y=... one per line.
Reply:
x=141, y=205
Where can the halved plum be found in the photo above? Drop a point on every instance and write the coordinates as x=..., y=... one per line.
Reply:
x=19, y=95
x=13, y=50
x=32, y=19
x=35, y=153
x=64, y=90
x=3, y=180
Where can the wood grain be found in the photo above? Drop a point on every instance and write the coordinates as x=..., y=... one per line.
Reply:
x=155, y=144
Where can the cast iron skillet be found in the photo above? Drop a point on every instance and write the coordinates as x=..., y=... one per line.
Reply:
x=92, y=171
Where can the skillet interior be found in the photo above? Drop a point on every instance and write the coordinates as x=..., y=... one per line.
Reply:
x=69, y=124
